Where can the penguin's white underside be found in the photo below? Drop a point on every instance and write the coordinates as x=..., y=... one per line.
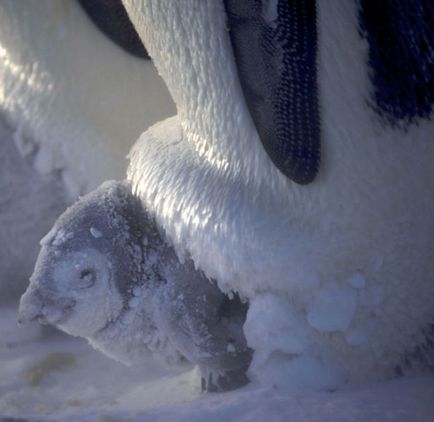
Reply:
x=367, y=216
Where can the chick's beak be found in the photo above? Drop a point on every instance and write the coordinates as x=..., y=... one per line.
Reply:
x=30, y=306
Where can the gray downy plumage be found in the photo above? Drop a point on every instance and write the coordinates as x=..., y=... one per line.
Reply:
x=107, y=274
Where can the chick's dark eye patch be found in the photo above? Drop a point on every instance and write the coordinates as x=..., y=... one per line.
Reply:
x=87, y=277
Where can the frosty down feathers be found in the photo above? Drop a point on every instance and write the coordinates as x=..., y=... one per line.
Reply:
x=106, y=274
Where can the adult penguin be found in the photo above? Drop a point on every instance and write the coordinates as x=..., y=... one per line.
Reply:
x=72, y=102
x=298, y=173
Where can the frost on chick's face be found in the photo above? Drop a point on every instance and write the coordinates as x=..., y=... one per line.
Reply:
x=82, y=262
x=85, y=277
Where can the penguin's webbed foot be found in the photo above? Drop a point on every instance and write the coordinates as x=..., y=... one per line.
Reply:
x=214, y=381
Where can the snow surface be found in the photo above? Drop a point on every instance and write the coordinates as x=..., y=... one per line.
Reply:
x=46, y=376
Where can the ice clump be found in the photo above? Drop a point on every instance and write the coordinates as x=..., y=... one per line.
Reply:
x=286, y=354
x=332, y=309
x=272, y=326
x=95, y=233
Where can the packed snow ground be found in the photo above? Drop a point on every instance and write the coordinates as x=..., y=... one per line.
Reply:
x=46, y=376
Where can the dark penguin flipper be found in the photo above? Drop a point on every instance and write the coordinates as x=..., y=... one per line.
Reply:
x=400, y=34
x=275, y=46
x=112, y=19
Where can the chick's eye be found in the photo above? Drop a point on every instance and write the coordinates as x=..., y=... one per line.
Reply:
x=87, y=278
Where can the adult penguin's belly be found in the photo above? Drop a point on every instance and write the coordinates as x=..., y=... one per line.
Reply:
x=352, y=261
x=346, y=253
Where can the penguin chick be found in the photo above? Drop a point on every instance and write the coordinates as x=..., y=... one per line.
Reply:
x=105, y=273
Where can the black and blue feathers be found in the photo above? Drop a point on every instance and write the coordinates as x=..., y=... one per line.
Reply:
x=400, y=34
x=275, y=49
x=112, y=19
x=275, y=46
